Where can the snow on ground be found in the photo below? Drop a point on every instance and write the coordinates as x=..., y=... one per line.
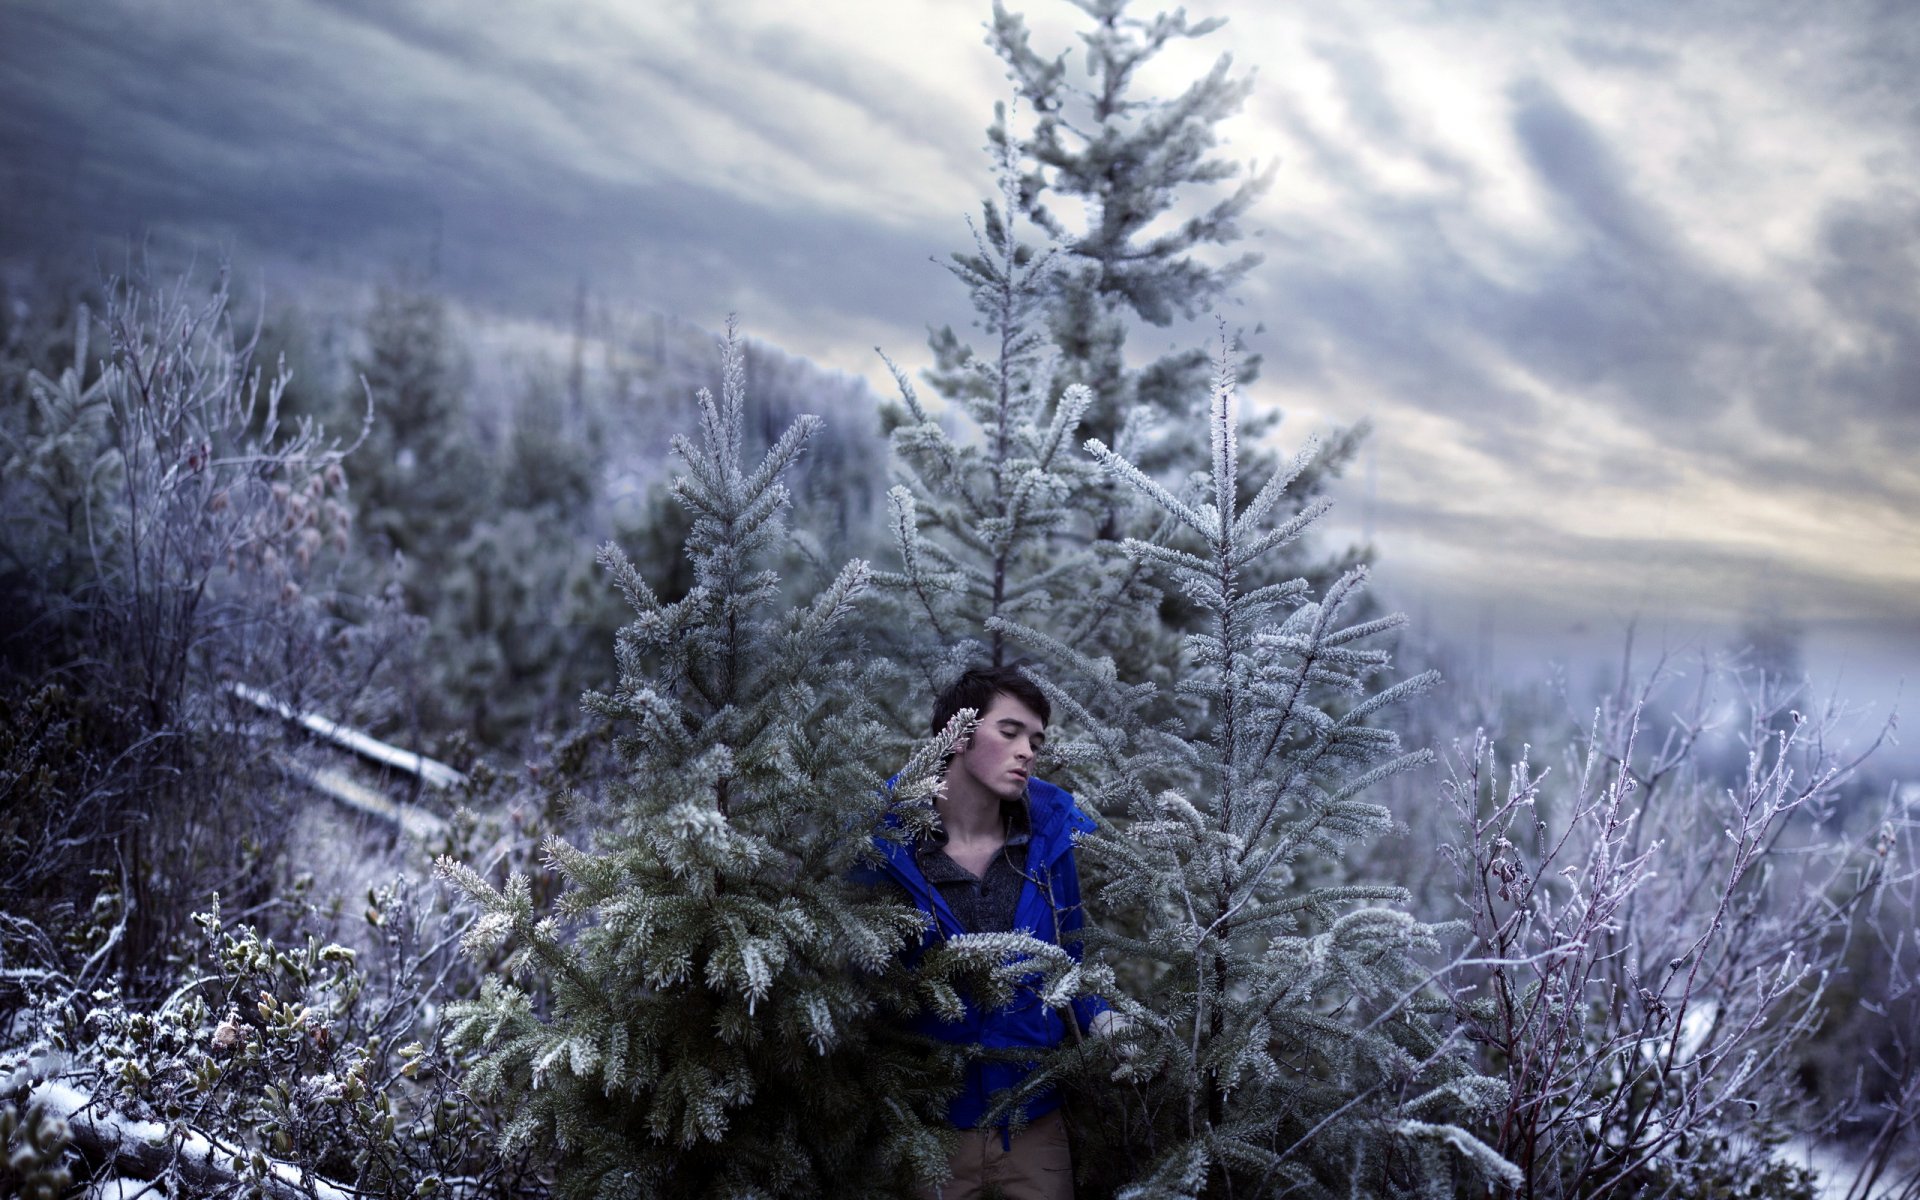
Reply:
x=1835, y=1167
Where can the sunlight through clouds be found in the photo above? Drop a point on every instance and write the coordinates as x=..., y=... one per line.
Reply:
x=1606, y=278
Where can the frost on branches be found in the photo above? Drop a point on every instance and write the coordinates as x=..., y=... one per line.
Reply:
x=693, y=1020
x=1002, y=523
x=1281, y=1039
x=1133, y=163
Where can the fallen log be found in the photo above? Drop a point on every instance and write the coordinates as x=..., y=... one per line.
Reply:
x=429, y=771
x=344, y=789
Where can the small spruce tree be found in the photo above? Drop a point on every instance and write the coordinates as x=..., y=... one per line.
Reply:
x=420, y=477
x=694, y=1019
x=1282, y=1042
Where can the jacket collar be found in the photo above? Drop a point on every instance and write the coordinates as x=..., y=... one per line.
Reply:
x=1053, y=820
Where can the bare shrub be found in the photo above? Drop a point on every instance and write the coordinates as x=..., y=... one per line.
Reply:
x=1652, y=940
x=1870, y=1054
x=162, y=531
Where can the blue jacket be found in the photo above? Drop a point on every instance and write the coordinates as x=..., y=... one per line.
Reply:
x=1052, y=887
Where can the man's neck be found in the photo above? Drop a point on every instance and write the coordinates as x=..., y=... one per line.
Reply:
x=969, y=813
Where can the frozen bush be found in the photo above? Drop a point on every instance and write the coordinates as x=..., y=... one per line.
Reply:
x=1652, y=943
x=165, y=533
x=306, y=1066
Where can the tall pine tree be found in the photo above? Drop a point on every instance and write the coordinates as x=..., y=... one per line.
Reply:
x=420, y=477
x=1104, y=172
x=1129, y=163
x=695, y=1020
x=999, y=523
x=1282, y=1042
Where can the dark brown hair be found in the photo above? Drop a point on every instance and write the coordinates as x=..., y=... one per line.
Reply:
x=976, y=689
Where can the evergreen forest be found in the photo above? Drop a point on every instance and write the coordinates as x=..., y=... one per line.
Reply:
x=432, y=772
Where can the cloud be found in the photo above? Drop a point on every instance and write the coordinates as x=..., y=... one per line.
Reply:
x=1869, y=273
x=373, y=132
x=1629, y=335
x=1617, y=278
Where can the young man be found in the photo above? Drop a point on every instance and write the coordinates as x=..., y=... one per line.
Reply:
x=1001, y=859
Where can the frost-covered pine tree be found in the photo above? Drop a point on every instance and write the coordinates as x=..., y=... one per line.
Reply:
x=694, y=1019
x=1129, y=162
x=1147, y=212
x=1281, y=1043
x=522, y=617
x=997, y=522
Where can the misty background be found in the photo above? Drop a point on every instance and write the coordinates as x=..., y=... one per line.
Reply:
x=1627, y=293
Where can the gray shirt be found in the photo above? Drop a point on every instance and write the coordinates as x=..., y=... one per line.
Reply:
x=986, y=903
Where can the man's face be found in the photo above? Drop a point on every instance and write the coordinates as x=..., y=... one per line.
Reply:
x=1005, y=741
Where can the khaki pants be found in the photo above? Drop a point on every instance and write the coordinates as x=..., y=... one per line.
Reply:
x=1039, y=1166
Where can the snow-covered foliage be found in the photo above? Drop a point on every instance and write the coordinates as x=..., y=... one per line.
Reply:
x=164, y=532
x=468, y=533
x=1655, y=939
x=1629, y=976
x=493, y=491
x=1000, y=521
x=694, y=1016
x=286, y=1069
x=1869, y=1051
x=1282, y=1033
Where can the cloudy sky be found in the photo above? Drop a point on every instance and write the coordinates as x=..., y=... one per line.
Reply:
x=1631, y=291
